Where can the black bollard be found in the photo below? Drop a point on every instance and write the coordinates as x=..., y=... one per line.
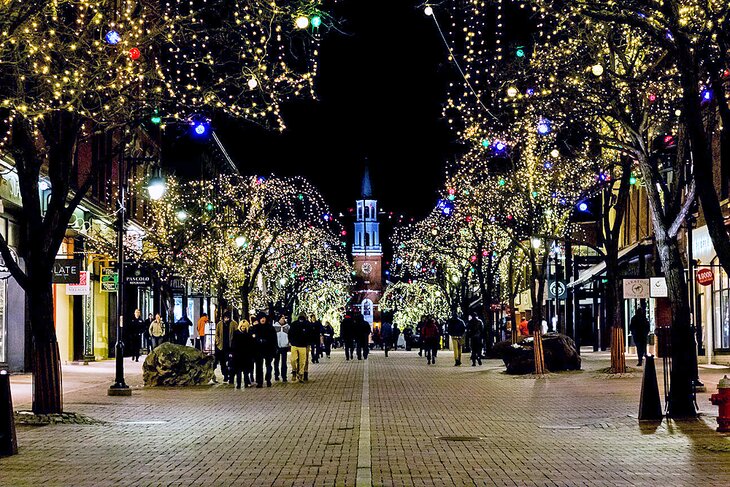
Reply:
x=650, y=406
x=8, y=441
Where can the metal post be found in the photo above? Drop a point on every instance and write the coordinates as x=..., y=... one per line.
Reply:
x=120, y=388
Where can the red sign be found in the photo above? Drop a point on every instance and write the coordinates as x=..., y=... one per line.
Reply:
x=705, y=276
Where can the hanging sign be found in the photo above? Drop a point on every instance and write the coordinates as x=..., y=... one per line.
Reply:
x=705, y=276
x=637, y=288
x=137, y=278
x=109, y=280
x=66, y=271
x=658, y=287
x=83, y=288
x=558, y=289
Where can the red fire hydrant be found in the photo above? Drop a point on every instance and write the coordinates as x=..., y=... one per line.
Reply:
x=722, y=400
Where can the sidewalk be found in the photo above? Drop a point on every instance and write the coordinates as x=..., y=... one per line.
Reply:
x=390, y=422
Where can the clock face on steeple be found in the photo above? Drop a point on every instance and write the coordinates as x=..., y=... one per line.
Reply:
x=367, y=268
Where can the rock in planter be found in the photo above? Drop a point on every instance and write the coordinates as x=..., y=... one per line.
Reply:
x=177, y=365
x=560, y=354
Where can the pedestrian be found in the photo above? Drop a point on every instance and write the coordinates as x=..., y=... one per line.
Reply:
x=523, y=328
x=456, y=329
x=146, y=334
x=202, y=324
x=282, y=341
x=134, y=334
x=430, y=339
x=362, y=336
x=474, y=333
x=386, y=334
x=182, y=330
x=315, y=336
x=242, y=348
x=639, y=327
x=223, y=338
x=396, y=336
x=419, y=335
x=328, y=337
x=299, y=341
x=265, y=348
x=347, y=334
x=156, y=330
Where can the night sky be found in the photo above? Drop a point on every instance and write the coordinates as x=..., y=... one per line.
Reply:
x=381, y=85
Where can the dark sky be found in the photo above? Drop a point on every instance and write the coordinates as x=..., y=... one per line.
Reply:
x=381, y=84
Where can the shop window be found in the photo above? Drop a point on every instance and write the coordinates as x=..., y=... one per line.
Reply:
x=721, y=305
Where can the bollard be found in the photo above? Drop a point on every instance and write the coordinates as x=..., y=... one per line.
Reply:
x=8, y=441
x=650, y=406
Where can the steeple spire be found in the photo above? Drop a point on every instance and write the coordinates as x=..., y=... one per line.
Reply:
x=366, y=189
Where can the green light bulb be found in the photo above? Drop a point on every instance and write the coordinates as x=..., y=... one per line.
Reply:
x=502, y=182
x=316, y=21
x=632, y=180
x=209, y=206
x=520, y=52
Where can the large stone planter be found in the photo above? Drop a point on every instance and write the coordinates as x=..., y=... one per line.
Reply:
x=177, y=365
x=560, y=354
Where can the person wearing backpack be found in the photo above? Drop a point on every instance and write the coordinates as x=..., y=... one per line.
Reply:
x=282, y=341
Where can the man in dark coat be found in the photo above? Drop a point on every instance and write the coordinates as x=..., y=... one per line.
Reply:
x=328, y=335
x=134, y=335
x=347, y=334
x=182, y=330
x=474, y=333
x=265, y=347
x=362, y=336
x=386, y=334
x=242, y=346
x=639, y=327
x=456, y=329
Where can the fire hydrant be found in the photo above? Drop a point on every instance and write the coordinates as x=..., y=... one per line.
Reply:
x=722, y=400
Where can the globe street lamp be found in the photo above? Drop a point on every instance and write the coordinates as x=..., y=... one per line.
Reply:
x=156, y=189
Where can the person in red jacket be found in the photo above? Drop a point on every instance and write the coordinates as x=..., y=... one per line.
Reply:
x=430, y=336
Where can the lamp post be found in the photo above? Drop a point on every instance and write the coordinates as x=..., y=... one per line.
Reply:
x=156, y=189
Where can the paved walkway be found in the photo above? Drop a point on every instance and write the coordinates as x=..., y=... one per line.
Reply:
x=393, y=421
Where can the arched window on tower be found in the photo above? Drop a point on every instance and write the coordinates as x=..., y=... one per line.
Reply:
x=372, y=211
x=367, y=212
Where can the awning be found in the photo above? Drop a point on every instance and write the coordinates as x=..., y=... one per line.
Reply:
x=600, y=268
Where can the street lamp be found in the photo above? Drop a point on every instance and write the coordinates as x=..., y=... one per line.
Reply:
x=156, y=188
x=536, y=242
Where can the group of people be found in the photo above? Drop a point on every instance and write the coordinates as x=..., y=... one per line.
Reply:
x=461, y=334
x=250, y=350
x=153, y=331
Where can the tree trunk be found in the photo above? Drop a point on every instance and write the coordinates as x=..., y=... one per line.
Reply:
x=681, y=399
x=46, y=360
x=614, y=310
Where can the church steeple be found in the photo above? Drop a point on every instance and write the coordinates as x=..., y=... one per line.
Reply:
x=367, y=228
x=366, y=189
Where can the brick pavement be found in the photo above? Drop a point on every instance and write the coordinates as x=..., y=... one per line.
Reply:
x=436, y=425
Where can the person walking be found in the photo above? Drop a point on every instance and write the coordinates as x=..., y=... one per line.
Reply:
x=265, y=344
x=201, y=326
x=386, y=334
x=474, y=333
x=299, y=341
x=396, y=337
x=328, y=336
x=146, y=332
x=362, y=336
x=315, y=330
x=456, y=329
x=430, y=338
x=282, y=341
x=157, y=330
x=347, y=334
x=242, y=348
x=182, y=330
x=639, y=327
x=134, y=335
x=223, y=338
